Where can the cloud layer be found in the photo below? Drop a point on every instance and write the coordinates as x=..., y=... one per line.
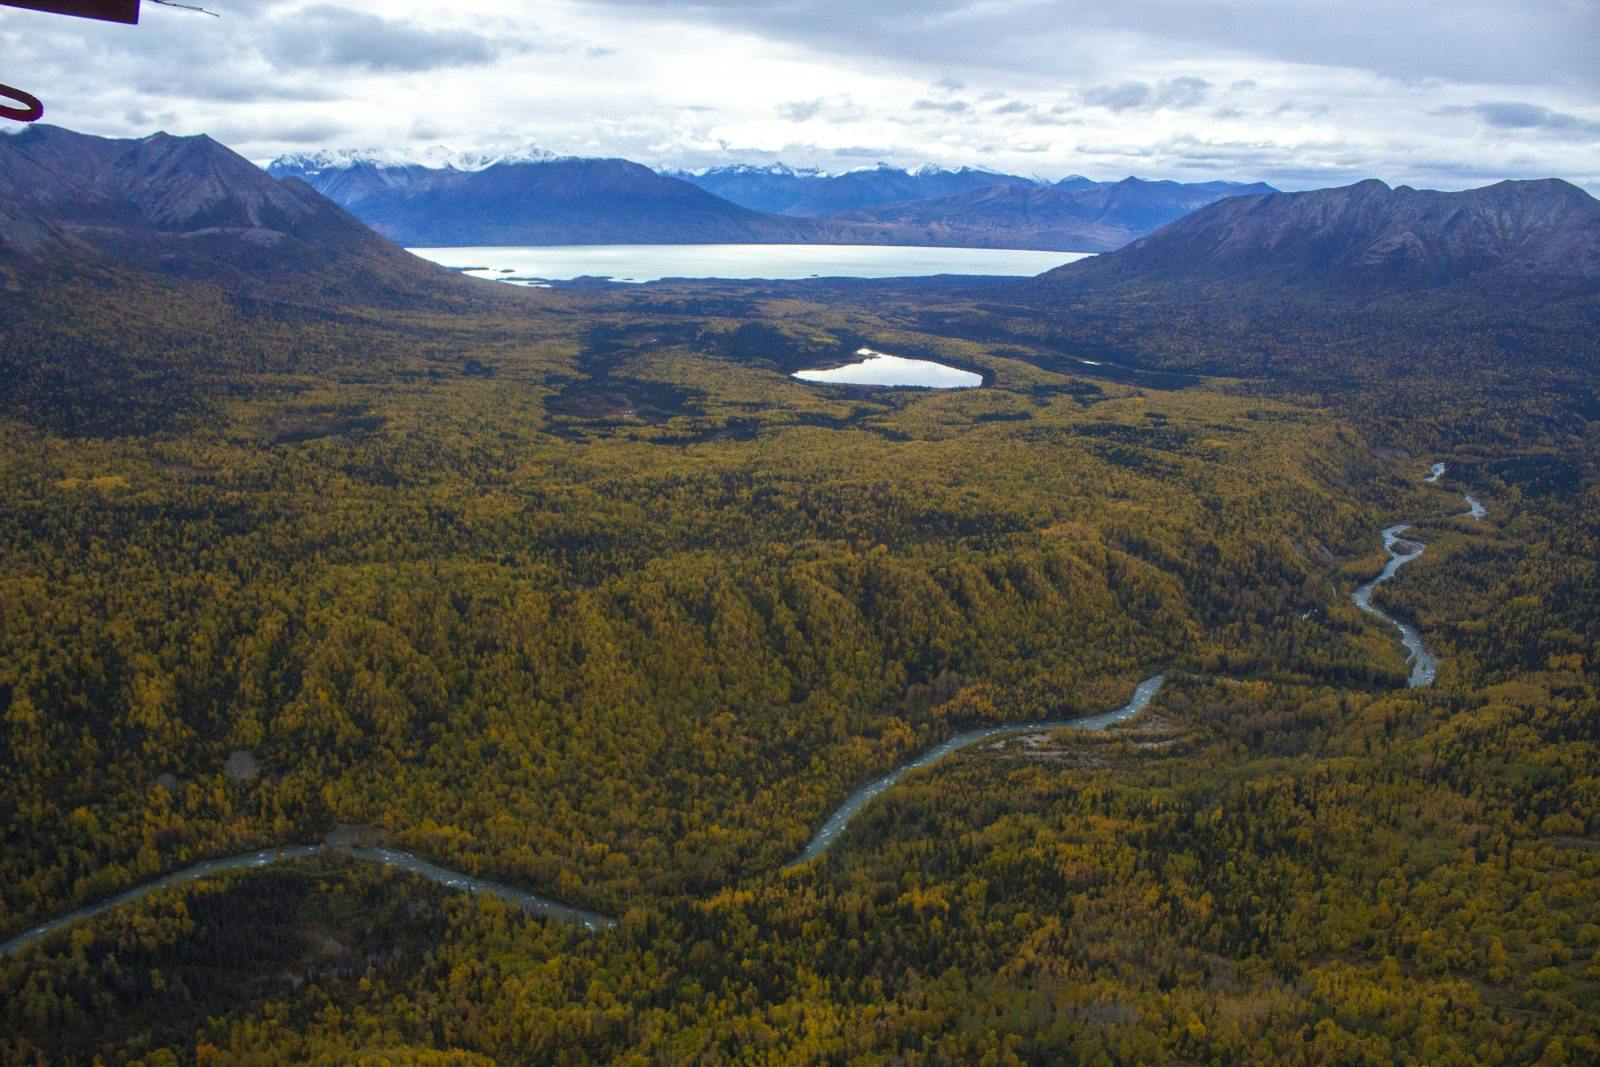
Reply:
x=1437, y=92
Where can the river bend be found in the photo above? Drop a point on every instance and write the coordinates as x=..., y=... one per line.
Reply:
x=1402, y=550
x=531, y=903
x=829, y=833
x=1424, y=666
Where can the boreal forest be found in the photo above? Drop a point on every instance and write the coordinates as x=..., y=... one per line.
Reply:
x=576, y=590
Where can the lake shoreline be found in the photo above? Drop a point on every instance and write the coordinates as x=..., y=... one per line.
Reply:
x=544, y=266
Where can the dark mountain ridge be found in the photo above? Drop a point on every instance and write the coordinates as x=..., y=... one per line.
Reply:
x=812, y=193
x=542, y=201
x=1337, y=287
x=184, y=206
x=1093, y=217
x=1366, y=236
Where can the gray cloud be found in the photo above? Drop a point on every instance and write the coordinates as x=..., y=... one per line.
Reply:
x=1176, y=93
x=328, y=37
x=1511, y=115
x=1308, y=93
x=1181, y=92
x=1471, y=41
x=1292, y=107
x=801, y=110
x=834, y=108
x=873, y=152
x=1118, y=97
x=311, y=131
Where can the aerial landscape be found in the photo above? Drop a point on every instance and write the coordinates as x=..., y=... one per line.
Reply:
x=1004, y=533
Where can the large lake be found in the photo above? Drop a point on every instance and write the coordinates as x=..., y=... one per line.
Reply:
x=648, y=263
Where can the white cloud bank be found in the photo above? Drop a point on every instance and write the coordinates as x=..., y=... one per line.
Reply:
x=1446, y=93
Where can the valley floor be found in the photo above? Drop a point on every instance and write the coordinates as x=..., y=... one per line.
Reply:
x=584, y=594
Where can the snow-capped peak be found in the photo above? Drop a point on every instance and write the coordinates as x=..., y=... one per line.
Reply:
x=779, y=169
x=435, y=158
x=526, y=154
x=878, y=167
x=775, y=169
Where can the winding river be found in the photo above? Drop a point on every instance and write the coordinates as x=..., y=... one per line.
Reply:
x=1475, y=508
x=531, y=903
x=534, y=904
x=1424, y=666
x=825, y=837
x=1402, y=550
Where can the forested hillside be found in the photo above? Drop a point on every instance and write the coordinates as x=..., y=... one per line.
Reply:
x=593, y=598
x=687, y=626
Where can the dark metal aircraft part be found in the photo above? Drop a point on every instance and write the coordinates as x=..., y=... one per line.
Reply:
x=104, y=10
x=27, y=109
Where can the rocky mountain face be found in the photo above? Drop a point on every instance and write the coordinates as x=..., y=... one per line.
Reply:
x=540, y=202
x=184, y=206
x=1140, y=206
x=349, y=176
x=1074, y=216
x=1365, y=236
x=536, y=199
x=189, y=206
x=813, y=193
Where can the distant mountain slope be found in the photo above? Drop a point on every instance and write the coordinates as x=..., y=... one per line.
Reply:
x=1365, y=236
x=1076, y=181
x=349, y=176
x=1075, y=216
x=1141, y=206
x=184, y=206
x=538, y=201
x=813, y=193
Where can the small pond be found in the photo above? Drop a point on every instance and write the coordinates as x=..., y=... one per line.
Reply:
x=875, y=368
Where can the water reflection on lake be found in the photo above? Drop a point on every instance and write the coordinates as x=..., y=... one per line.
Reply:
x=880, y=369
x=540, y=265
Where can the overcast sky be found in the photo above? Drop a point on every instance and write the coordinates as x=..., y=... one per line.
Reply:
x=1439, y=93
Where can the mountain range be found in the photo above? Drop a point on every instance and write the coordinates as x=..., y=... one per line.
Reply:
x=530, y=199
x=533, y=198
x=187, y=207
x=810, y=193
x=1364, y=237
x=1092, y=217
x=190, y=207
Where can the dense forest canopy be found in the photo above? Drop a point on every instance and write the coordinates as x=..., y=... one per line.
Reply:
x=578, y=589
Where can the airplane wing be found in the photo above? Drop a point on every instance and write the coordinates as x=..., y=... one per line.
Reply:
x=25, y=107
x=104, y=10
